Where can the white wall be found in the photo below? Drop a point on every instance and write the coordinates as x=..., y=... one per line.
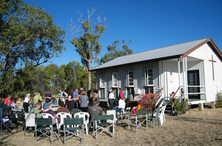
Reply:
x=212, y=86
x=138, y=69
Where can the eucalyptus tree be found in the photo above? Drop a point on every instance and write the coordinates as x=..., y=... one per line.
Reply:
x=115, y=50
x=28, y=38
x=86, y=39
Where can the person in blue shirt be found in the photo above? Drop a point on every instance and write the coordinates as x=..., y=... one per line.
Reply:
x=75, y=95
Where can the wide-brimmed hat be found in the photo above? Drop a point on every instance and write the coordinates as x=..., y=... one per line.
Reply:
x=46, y=105
x=81, y=88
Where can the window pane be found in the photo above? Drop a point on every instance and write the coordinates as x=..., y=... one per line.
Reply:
x=102, y=80
x=102, y=91
x=115, y=80
x=148, y=90
x=131, y=78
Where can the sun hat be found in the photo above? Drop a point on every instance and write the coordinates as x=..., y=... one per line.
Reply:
x=46, y=105
x=81, y=88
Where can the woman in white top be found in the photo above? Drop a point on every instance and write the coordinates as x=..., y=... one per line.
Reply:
x=111, y=99
x=26, y=102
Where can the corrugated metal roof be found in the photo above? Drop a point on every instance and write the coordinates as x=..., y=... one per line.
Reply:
x=158, y=53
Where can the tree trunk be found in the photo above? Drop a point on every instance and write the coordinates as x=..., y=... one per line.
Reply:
x=89, y=76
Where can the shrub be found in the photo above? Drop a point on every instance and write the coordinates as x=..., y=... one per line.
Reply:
x=181, y=106
x=147, y=101
x=219, y=100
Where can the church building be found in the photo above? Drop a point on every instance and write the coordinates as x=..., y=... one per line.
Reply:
x=194, y=68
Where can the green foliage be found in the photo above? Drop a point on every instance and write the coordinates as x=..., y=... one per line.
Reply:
x=115, y=51
x=87, y=42
x=28, y=38
x=219, y=100
x=181, y=105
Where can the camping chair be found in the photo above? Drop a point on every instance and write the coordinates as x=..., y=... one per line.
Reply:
x=85, y=121
x=61, y=116
x=29, y=121
x=104, y=126
x=74, y=128
x=139, y=121
x=21, y=119
x=112, y=112
x=119, y=116
x=44, y=126
x=93, y=113
x=154, y=117
x=5, y=122
x=74, y=111
x=162, y=115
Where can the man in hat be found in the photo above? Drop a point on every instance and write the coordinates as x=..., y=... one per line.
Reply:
x=49, y=111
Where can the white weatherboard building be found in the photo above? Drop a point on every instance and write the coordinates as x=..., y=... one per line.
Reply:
x=195, y=67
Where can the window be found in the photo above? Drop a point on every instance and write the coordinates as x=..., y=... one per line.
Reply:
x=102, y=93
x=149, y=77
x=148, y=90
x=130, y=93
x=102, y=81
x=130, y=78
x=114, y=79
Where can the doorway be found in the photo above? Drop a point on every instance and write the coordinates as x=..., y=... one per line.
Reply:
x=193, y=80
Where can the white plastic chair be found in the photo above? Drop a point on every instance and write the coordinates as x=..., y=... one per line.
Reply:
x=62, y=115
x=47, y=115
x=83, y=115
x=162, y=115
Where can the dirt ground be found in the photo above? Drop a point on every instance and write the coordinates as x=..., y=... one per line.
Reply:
x=194, y=128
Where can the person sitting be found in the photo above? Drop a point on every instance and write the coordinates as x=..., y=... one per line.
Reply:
x=19, y=103
x=3, y=106
x=96, y=105
x=49, y=111
x=13, y=105
x=122, y=104
x=37, y=109
x=62, y=108
x=55, y=101
x=8, y=100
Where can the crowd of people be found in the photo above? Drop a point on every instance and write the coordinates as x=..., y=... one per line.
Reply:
x=65, y=102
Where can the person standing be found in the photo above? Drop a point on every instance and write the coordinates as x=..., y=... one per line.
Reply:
x=48, y=97
x=26, y=103
x=121, y=94
x=61, y=95
x=8, y=101
x=75, y=95
x=95, y=92
x=37, y=98
x=84, y=101
x=111, y=99
x=70, y=100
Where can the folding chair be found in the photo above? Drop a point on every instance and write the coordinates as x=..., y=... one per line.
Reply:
x=29, y=121
x=76, y=126
x=45, y=127
x=154, y=117
x=61, y=116
x=104, y=126
x=74, y=111
x=85, y=121
x=93, y=113
x=5, y=122
x=139, y=121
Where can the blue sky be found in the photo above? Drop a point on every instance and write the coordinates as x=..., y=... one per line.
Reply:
x=149, y=24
